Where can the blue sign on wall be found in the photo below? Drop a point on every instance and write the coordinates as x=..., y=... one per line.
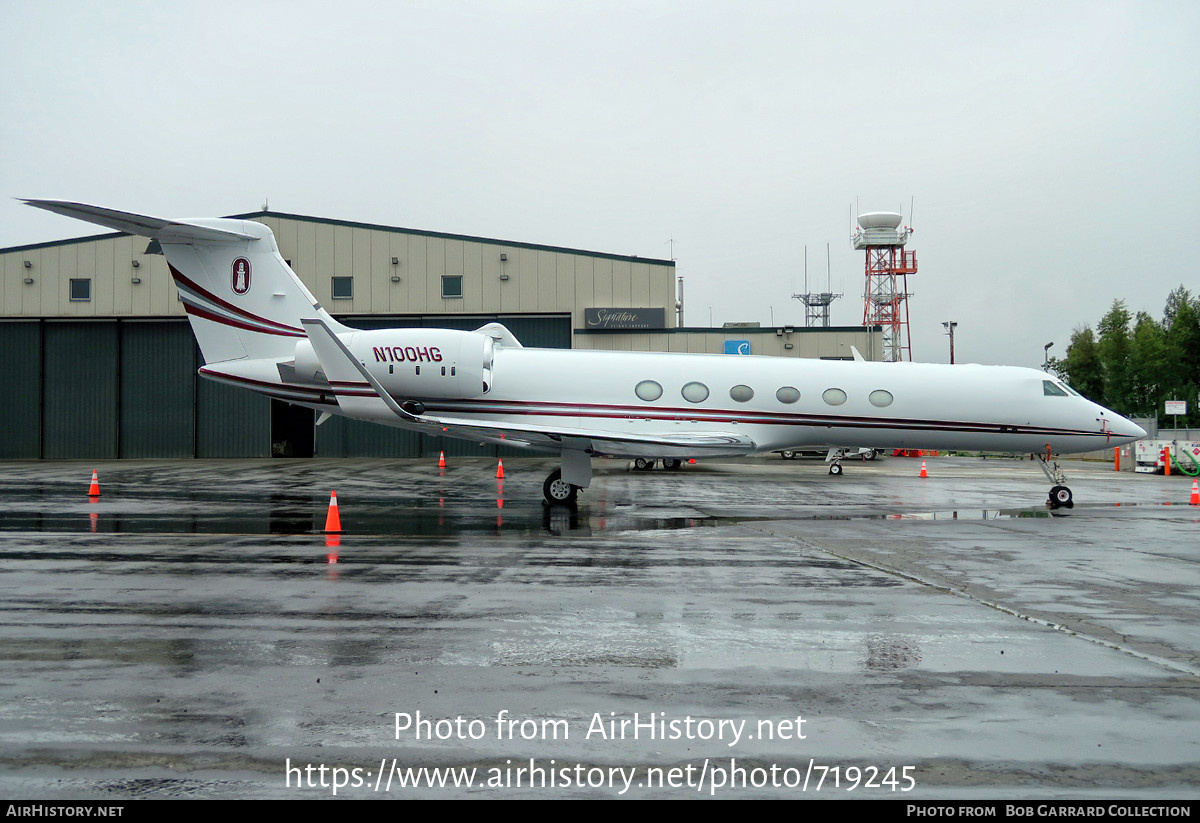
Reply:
x=737, y=346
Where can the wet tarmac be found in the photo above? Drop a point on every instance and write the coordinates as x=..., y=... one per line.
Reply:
x=736, y=629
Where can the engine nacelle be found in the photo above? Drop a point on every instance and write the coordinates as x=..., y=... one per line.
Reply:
x=414, y=363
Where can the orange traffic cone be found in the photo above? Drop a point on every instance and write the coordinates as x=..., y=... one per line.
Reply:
x=500, y=470
x=333, y=521
x=924, y=473
x=94, y=489
x=1195, y=501
x=441, y=460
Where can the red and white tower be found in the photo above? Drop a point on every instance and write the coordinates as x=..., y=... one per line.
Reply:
x=888, y=266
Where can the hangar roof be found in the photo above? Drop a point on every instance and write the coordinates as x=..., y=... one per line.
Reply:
x=374, y=227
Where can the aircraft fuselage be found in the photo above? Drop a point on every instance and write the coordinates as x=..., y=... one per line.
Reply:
x=776, y=402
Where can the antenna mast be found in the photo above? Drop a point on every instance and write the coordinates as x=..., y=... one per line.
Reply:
x=816, y=304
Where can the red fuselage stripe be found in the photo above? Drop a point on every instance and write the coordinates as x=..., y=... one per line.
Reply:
x=180, y=278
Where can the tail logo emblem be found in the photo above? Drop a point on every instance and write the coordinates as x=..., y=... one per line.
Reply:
x=241, y=276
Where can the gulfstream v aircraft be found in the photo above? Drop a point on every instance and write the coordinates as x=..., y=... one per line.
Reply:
x=259, y=327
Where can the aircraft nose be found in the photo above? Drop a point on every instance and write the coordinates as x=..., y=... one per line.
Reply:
x=1120, y=426
x=1127, y=428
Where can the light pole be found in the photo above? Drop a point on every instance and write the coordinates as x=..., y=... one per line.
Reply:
x=949, y=325
x=1046, y=362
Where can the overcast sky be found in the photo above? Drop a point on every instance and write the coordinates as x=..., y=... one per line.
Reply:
x=1049, y=150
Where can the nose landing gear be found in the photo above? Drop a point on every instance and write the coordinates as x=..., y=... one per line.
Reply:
x=834, y=459
x=1060, y=495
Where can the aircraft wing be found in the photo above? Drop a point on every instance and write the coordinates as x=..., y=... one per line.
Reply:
x=359, y=394
x=597, y=441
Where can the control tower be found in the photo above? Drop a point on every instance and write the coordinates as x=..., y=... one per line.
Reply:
x=888, y=265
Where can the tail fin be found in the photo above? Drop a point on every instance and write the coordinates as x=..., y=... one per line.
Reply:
x=242, y=298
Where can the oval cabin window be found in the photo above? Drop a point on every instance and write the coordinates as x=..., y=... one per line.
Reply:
x=695, y=392
x=648, y=390
x=880, y=398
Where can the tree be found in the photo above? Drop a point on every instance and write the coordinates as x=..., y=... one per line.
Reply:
x=1081, y=366
x=1177, y=298
x=1115, y=364
x=1133, y=364
x=1182, y=351
x=1149, y=366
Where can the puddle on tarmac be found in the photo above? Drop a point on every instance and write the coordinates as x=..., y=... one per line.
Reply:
x=304, y=515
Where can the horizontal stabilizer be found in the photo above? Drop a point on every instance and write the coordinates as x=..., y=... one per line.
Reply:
x=165, y=231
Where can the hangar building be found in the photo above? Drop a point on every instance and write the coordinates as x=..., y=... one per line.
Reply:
x=100, y=360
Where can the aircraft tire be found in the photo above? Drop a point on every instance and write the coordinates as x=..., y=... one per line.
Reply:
x=559, y=492
x=835, y=469
x=788, y=454
x=1061, y=497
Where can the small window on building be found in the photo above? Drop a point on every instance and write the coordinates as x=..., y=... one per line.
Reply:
x=452, y=285
x=695, y=392
x=1049, y=388
x=742, y=394
x=81, y=288
x=648, y=390
x=787, y=394
x=342, y=288
x=834, y=397
x=880, y=398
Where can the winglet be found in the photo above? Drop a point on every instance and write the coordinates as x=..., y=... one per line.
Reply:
x=857, y=354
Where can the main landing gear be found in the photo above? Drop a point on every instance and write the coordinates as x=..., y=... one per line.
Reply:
x=558, y=491
x=645, y=464
x=562, y=486
x=1060, y=495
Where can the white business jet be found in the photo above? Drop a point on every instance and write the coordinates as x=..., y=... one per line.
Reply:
x=259, y=327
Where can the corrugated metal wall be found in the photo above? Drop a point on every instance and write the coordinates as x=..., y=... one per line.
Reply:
x=231, y=422
x=20, y=374
x=120, y=388
x=158, y=390
x=129, y=388
x=80, y=388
